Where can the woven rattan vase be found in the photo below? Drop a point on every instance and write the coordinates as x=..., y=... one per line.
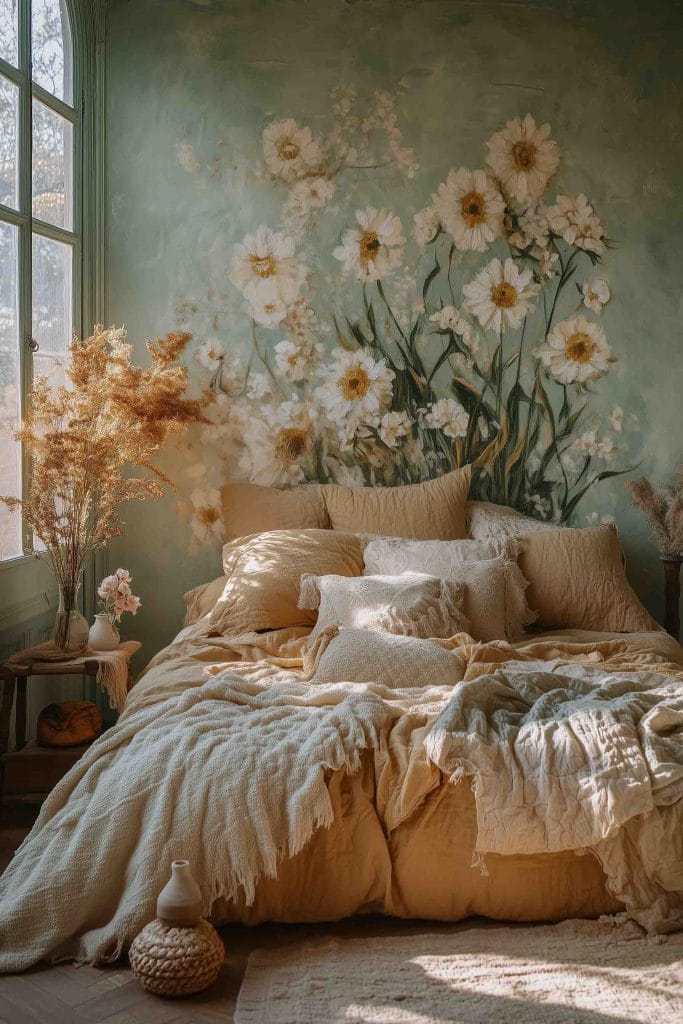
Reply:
x=178, y=953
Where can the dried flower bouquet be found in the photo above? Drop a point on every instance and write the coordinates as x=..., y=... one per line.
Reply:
x=88, y=443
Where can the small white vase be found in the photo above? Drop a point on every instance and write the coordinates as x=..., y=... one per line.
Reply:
x=103, y=635
x=180, y=901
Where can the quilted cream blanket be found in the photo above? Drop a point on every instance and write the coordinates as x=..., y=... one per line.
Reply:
x=227, y=749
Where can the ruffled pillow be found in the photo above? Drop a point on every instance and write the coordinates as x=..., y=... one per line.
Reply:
x=410, y=605
x=495, y=599
x=498, y=523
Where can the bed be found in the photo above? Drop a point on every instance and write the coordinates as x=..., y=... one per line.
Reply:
x=312, y=770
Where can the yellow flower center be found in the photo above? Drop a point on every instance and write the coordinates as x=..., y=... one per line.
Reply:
x=473, y=209
x=504, y=295
x=207, y=515
x=369, y=244
x=263, y=266
x=291, y=443
x=354, y=384
x=288, y=150
x=579, y=347
x=524, y=155
x=293, y=359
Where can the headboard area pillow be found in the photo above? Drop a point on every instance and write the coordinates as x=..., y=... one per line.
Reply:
x=251, y=508
x=577, y=579
x=264, y=574
x=434, y=509
x=486, y=521
x=202, y=599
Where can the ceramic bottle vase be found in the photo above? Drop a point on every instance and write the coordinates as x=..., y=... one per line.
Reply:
x=103, y=636
x=180, y=901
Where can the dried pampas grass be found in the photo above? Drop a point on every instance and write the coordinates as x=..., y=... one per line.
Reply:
x=664, y=511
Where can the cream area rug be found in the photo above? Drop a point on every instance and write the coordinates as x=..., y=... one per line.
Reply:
x=577, y=972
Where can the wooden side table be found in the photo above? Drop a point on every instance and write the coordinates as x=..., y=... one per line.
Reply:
x=15, y=678
x=28, y=762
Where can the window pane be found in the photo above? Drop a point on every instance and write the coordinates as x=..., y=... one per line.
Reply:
x=9, y=141
x=51, y=42
x=52, y=309
x=52, y=166
x=8, y=31
x=10, y=376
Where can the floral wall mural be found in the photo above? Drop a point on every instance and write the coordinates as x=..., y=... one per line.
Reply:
x=476, y=340
x=404, y=235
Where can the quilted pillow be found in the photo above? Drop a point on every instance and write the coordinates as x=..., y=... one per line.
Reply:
x=400, y=662
x=411, y=605
x=577, y=579
x=495, y=598
x=489, y=522
x=264, y=573
x=251, y=508
x=434, y=508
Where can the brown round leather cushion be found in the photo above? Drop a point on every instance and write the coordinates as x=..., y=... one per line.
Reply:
x=68, y=724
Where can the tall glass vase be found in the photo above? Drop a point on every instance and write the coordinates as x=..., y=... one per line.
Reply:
x=70, y=632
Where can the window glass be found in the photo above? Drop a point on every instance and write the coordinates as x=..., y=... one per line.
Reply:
x=10, y=380
x=52, y=295
x=9, y=31
x=51, y=47
x=9, y=141
x=52, y=166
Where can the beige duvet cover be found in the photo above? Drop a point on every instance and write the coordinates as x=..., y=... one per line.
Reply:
x=408, y=851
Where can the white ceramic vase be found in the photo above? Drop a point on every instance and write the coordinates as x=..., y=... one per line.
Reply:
x=103, y=635
x=180, y=901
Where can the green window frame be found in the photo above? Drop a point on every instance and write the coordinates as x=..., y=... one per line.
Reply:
x=83, y=117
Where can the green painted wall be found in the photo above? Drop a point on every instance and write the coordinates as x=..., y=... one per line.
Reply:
x=192, y=85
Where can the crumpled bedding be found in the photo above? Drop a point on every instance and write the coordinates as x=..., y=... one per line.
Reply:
x=563, y=757
x=183, y=769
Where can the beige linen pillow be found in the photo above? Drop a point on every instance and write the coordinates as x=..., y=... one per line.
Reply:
x=577, y=579
x=369, y=656
x=411, y=605
x=434, y=508
x=264, y=574
x=201, y=600
x=251, y=508
x=495, y=599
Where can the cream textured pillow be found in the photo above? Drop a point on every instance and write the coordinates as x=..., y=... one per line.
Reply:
x=251, y=508
x=577, y=579
x=264, y=573
x=369, y=656
x=489, y=522
x=435, y=508
x=411, y=605
x=495, y=599
x=202, y=599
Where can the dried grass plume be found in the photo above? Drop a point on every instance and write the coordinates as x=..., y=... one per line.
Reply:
x=664, y=511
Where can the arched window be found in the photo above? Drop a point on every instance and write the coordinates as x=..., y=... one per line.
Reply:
x=41, y=221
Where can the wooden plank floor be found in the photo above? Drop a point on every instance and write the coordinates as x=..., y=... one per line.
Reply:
x=87, y=995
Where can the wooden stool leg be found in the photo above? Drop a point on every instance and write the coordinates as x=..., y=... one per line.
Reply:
x=20, y=714
x=6, y=712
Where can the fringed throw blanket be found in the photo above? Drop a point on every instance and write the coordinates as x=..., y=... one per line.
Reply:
x=569, y=757
x=230, y=775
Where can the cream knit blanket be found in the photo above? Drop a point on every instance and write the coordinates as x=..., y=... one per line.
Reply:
x=565, y=757
x=230, y=775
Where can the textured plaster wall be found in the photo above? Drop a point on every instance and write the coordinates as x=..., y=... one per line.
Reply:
x=204, y=78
